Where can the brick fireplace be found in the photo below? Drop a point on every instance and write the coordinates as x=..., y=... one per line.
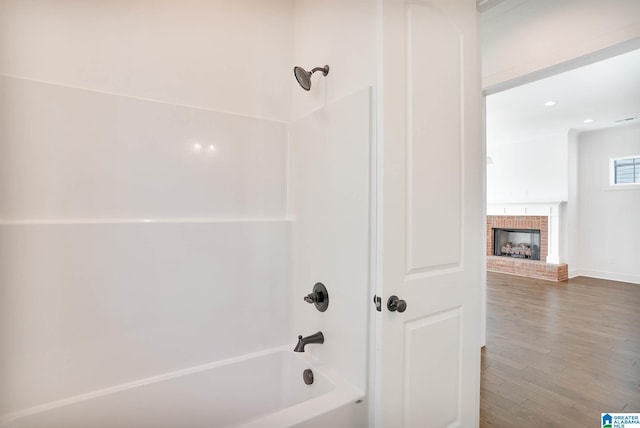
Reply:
x=519, y=217
x=540, y=223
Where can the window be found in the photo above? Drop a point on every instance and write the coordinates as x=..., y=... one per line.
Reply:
x=625, y=170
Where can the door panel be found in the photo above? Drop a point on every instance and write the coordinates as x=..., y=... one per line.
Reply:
x=430, y=204
x=434, y=139
x=440, y=381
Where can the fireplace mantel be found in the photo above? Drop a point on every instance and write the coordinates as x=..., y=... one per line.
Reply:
x=552, y=210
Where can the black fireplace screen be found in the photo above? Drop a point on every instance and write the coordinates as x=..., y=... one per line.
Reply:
x=519, y=243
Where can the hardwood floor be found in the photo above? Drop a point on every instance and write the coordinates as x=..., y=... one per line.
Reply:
x=559, y=354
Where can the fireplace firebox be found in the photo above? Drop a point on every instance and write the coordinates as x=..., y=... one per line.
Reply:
x=519, y=243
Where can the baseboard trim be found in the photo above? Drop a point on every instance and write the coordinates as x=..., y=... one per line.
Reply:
x=611, y=276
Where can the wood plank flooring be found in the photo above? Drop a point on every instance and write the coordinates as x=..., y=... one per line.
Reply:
x=559, y=354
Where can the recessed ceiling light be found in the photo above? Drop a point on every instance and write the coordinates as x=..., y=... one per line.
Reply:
x=588, y=120
x=550, y=103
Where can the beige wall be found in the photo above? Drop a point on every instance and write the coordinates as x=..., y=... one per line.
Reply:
x=520, y=37
x=228, y=56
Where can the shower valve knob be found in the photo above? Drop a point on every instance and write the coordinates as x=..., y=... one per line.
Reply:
x=313, y=297
x=319, y=297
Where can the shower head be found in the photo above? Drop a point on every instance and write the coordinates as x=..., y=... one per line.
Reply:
x=304, y=77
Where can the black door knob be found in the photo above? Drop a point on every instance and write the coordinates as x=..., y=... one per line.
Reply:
x=395, y=304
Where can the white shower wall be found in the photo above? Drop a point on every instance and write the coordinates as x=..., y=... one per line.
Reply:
x=330, y=203
x=88, y=306
x=158, y=207
x=128, y=246
x=332, y=145
x=76, y=154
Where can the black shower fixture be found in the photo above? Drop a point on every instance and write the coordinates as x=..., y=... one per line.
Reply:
x=304, y=341
x=304, y=77
x=319, y=297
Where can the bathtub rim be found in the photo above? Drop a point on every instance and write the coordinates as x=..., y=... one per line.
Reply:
x=342, y=393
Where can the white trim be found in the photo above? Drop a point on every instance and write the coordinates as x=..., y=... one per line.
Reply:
x=138, y=98
x=574, y=273
x=58, y=221
x=552, y=210
x=611, y=276
x=553, y=259
x=622, y=186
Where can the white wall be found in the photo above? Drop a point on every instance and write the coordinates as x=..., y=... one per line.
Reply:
x=338, y=33
x=521, y=37
x=96, y=139
x=528, y=170
x=230, y=56
x=609, y=227
x=571, y=226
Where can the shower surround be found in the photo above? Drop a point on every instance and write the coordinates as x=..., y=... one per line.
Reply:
x=150, y=197
x=125, y=239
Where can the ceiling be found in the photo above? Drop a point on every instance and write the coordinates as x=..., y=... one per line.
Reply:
x=604, y=92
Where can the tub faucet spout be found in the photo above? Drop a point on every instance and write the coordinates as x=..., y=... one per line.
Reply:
x=302, y=341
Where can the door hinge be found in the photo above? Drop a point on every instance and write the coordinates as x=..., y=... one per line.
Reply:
x=378, y=302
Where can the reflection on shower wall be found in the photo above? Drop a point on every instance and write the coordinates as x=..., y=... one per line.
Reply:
x=139, y=236
x=72, y=153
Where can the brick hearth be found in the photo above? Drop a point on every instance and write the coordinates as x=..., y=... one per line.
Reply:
x=524, y=267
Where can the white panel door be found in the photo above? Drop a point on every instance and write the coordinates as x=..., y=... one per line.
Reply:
x=431, y=222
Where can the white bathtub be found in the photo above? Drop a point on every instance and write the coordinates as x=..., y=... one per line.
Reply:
x=262, y=390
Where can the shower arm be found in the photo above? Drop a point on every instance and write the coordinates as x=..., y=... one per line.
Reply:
x=325, y=70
